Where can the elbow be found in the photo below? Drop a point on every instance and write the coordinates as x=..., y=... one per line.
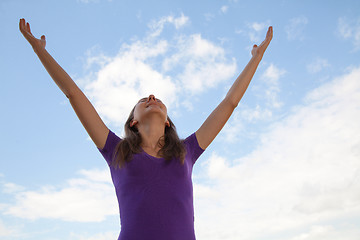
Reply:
x=71, y=92
x=68, y=95
x=233, y=103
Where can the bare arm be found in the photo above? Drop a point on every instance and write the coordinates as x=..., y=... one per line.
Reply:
x=85, y=111
x=217, y=119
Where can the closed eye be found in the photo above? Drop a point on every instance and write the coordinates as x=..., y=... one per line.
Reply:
x=146, y=99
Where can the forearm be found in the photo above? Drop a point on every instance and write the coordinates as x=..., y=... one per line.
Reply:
x=242, y=82
x=57, y=73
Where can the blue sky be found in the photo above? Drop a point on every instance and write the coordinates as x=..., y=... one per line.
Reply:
x=286, y=165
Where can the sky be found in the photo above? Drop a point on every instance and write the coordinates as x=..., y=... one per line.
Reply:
x=285, y=166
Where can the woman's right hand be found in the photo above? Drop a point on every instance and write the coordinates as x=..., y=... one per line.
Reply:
x=34, y=42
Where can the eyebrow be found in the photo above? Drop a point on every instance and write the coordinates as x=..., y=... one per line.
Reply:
x=142, y=99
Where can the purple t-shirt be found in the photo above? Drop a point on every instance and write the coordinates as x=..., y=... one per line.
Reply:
x=155, y=198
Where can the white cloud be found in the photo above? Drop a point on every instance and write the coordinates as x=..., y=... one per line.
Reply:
x=317, y=65
x=89, y=198
x=154, y=65
x=203, y=63
x=295, y=28
x=327, y=232
x=303, y=176
x=125, y=78
x=350, y=29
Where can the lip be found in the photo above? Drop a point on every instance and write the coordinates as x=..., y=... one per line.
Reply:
x=151, y=103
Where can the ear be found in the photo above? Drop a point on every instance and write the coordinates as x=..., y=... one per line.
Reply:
x=167, y=123
x=133, y=123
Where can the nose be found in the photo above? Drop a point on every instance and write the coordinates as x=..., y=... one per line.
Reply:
x=151, y=97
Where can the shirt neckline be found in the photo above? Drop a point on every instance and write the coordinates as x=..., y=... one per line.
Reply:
x=150, y=156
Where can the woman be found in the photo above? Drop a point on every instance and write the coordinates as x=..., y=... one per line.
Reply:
x=151, y=167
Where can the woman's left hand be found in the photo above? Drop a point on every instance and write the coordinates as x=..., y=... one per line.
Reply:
x=259, y=50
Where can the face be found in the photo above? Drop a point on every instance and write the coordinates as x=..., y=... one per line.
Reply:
x=148, y=107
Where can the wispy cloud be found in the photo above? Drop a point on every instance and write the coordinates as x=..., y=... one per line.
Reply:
x=157, y=26
x=350, y=29
x=294, y=179
x=11, y=188
x=92, y=1
x=295, y=28
x=209, y=16
x=5, y=231
x=256, y=31
x=266, y=90
x=317, y=65
x=270, y=79
x=100, y=236
x=224, y=9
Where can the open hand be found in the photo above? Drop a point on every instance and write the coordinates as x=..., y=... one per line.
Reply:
x=262, y=47
x=25, y=30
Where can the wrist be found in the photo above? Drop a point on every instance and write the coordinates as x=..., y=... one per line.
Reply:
x=257, y=57
x=38, y=49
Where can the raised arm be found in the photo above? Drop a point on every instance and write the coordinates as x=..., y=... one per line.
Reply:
x=85, y=111
x=217, y=119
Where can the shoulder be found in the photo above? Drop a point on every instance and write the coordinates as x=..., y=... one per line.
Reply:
x=193, y=149
x=192, y=141
x=111, y=141
x=109, y=149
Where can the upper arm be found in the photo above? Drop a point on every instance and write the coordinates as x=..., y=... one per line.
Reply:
x=214, y=123
x=89, y=118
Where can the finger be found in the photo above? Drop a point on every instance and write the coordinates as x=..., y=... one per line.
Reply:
x=269, y=33
x=22, y=24
x=28, y=27
x=43, y=39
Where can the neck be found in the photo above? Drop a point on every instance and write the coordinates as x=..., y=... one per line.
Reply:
x=151, y=132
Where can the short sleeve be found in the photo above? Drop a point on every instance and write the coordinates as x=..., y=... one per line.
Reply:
x=193, y=148
x=111, y=142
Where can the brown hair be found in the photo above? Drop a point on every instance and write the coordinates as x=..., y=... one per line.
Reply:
x=173, y=147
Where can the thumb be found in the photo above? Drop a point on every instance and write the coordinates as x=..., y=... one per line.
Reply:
x=43, y=41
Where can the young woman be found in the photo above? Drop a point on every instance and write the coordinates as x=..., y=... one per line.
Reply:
x=151, y=167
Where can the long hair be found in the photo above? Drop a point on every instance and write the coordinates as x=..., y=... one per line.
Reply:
x=172, y=148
